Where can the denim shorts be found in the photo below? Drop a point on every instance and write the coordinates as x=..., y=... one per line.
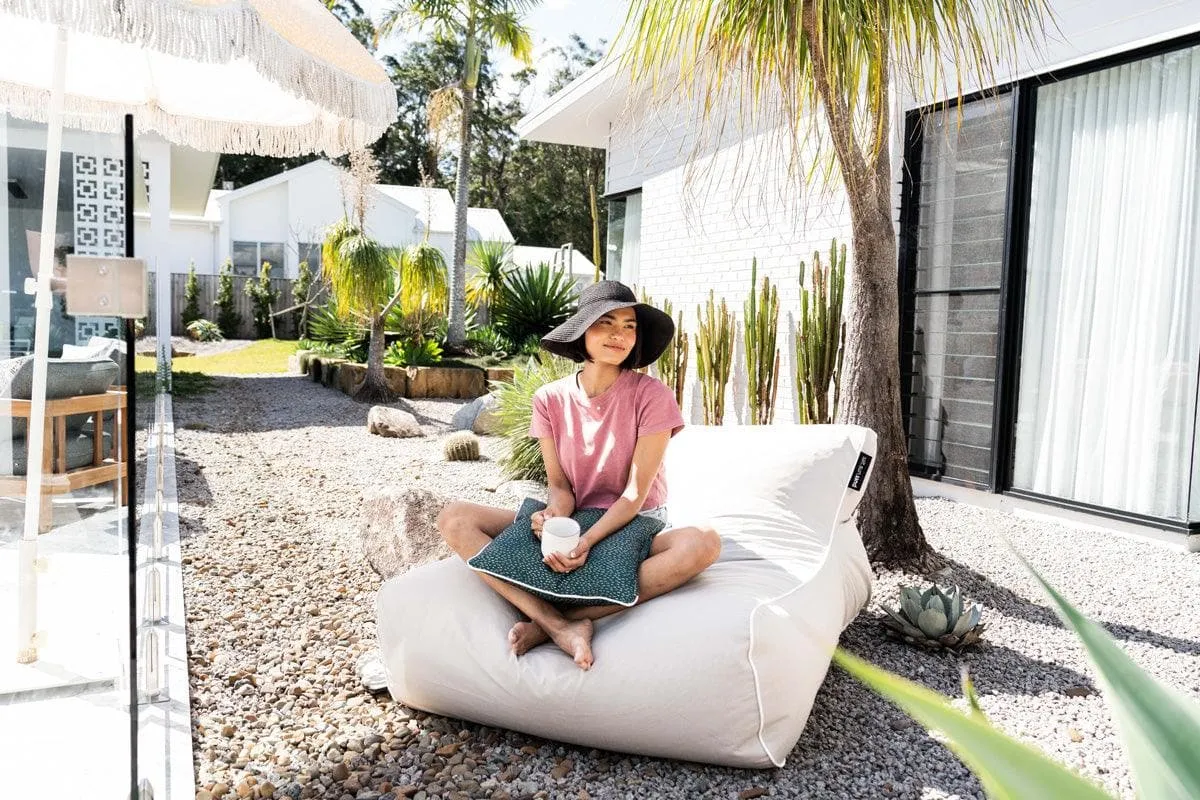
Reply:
x=659, y=514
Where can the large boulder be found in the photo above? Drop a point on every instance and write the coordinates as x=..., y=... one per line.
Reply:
x=398, y=528
x=479, y=416
x=394, y=422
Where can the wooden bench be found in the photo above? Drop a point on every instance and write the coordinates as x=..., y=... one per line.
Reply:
x=57, y=478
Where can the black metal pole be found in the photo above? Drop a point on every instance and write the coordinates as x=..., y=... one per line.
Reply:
x=131, y=472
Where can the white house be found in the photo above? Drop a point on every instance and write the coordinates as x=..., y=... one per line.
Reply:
x=282, y=219
x=1049, y=257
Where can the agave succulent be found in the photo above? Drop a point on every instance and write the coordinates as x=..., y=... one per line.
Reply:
x=934, y=618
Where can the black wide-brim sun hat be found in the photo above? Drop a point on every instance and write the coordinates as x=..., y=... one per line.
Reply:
x=654, y=327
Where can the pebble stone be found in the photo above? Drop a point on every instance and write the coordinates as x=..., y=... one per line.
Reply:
x=280, y=607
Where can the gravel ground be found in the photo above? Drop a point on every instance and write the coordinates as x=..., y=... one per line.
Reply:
x=279, y=604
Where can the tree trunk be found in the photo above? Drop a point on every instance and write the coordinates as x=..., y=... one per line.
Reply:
x=456, y=334
x=374, y=387
x=887, y=518
x=870, y=380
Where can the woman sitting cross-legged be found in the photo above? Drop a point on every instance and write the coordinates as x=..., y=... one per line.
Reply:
x=603, y=432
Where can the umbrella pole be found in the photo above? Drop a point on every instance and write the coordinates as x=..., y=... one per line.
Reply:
x=43, y=301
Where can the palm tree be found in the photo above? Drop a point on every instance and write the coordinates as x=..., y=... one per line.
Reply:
x=479, y=25
x=492, y=262
x=790, y=65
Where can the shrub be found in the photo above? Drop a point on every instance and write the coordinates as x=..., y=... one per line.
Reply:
x=300, y=289
x=205, y=330
x=533, y=301
x=342, y=336
x=228, y=319
x=263, y=297
x=487, y=341
x=139, y=327
x=514, y=410
x=413, y=353
x=191, y=298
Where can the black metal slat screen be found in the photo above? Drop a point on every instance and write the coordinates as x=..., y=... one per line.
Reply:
x=951, y=311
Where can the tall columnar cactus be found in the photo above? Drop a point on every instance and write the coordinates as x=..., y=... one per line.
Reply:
x=673, y=363
x=821, y=338
x=762, y=356
x=671, y=366
x=714, y=357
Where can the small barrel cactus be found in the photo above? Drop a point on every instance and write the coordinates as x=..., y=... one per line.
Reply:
x=462, y=446
x=934, y=618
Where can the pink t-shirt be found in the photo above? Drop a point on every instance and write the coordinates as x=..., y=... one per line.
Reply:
x=594, y=437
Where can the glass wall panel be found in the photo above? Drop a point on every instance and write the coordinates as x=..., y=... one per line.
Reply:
x=67, y=686
x=1111, y=342
x=954, y=307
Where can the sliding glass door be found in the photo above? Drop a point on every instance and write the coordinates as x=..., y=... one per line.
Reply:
x=1107, y=409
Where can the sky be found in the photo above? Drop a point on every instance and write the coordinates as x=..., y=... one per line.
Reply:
x=551, y=23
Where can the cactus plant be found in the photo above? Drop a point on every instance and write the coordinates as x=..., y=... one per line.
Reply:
x=672, y=364
x=934, y=619
x=762, y=356
x=714, y=357
x=461, y=446
x=821, y=339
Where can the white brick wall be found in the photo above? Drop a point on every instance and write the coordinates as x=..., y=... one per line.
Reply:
x=703, y=222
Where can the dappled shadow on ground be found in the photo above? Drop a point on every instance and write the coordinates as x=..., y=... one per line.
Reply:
x=984, y=590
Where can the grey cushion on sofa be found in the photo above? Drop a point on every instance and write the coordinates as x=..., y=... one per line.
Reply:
x=79, y=453
x=64, y=378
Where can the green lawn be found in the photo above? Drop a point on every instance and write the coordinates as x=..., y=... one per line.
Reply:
x=263, y=356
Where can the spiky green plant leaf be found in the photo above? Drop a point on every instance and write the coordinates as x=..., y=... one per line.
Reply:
x=1006, y=767
x=533, y=301
x=514, y=411
x=1159, y=726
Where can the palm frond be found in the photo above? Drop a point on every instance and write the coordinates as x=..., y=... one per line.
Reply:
x=492, y=261
x=423, y=282
x=357, y=268
x=504, y=29
x=757, y=59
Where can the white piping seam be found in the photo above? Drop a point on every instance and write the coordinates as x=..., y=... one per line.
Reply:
x=535, y=589
x=762, y=721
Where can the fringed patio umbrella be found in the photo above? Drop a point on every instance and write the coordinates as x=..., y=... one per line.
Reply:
x=272, y=77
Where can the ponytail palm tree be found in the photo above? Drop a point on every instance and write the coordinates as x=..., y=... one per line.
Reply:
x=821, y=70
x=361, y=278
x=478, y=25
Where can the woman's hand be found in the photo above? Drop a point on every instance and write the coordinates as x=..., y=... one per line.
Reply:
x=570, y=562
x=538, y=518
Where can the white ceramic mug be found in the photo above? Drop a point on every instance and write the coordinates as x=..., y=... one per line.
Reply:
x=559, y=535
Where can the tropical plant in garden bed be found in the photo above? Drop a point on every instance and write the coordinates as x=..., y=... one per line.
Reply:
x=532, y=302
x=1159, y=726
x=413, y=353
x=821, y=73
x=514, y=411
x=203, y=330
x=479, y=25
x=492, y=261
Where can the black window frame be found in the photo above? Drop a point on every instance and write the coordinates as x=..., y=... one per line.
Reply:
x=1013, y=267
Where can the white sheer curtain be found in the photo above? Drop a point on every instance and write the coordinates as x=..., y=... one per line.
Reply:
x=1111, y=344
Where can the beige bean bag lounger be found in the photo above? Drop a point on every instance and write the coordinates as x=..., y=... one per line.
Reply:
x=723, y=670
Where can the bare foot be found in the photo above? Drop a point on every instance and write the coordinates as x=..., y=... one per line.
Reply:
x=525, y=636
x=575, y=639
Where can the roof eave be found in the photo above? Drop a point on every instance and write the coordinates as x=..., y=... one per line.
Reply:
x=582, y=111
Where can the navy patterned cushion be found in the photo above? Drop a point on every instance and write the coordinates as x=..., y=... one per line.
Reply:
x=609, y=576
